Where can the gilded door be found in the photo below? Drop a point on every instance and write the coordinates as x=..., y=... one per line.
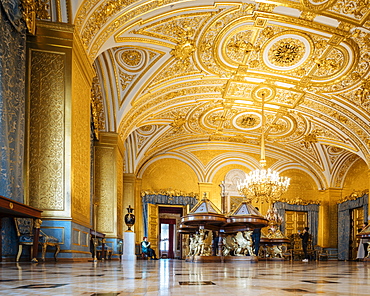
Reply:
x=153, y=227
x=294, y=221
x=357, y=219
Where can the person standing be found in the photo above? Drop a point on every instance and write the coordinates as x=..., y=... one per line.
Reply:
x=146, y=249
x=362, y=247
x=304, y=236
x=256, y=237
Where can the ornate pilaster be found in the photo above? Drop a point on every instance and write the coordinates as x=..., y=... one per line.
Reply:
x=108, y=191
x=328, y=230
x=58, y=135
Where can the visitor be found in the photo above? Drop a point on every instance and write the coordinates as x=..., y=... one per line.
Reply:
x=362, y=247
x=146, y=249
x=304, y=236
x=256, y=237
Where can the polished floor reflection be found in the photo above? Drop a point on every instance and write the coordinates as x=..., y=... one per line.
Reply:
x=177, y=277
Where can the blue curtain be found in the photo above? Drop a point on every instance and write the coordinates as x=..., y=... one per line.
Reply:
x=312, y=213
x=344, y=223
x=12, y=99
x=165, y=200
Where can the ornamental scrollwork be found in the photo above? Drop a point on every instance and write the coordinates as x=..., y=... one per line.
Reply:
x=32, y=10
x=353, y=196
x=97, y=107
x=168, y=192
x=299, y=201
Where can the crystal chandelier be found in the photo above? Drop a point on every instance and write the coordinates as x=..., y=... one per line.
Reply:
x=264, y=185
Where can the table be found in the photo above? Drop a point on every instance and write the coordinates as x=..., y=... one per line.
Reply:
x=11, y=208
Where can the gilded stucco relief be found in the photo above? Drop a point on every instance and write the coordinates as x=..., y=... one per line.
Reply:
x=80, y=146
x=47, y=131
x=215, y=63
x=105, y=189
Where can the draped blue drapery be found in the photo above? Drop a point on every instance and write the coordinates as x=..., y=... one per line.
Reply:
x=344, y=223
x=12, y=99
x=312, y=213
x=165, y=200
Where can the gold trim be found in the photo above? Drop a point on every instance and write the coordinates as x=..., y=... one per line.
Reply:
x=75, y=251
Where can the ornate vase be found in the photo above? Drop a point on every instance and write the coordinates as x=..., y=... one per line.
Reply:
x=129, y=218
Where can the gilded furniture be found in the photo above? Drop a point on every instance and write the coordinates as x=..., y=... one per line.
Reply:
x=98, y=245
x=321, y=253
x=11, y=208
x=296, y=247
x=26, y=237
x=287, y=253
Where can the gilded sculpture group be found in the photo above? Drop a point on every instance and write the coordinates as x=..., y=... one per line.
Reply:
x=239, y=244
x=201, y=243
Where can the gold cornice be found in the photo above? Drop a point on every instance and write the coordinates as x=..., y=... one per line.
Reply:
x=110, y=139
x=83, y=60
x=353, y=196
x=62, y=27
x=168, y=192
x=145, y=40
x=299, y=201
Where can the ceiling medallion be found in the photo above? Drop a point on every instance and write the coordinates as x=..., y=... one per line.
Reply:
x=130, y=59
x=247, y=121
x=183, y=50
x=263, y=92
x=287, y=51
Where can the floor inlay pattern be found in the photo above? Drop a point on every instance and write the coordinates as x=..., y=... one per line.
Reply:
x=179, y=278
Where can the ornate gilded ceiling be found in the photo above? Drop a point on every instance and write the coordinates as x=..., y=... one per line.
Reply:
x=180, y=76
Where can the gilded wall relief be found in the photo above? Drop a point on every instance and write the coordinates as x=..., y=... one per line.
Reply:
x=105, y=189
x=80, y=147
x=47, y=131
x=97, y=106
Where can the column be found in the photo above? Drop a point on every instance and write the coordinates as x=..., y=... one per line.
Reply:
x=328, y=218
x=108, y=190
x=59, y=78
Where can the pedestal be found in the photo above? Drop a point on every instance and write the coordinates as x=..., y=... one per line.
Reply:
x=129, y=246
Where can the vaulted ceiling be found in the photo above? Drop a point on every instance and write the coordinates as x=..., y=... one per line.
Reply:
x=176, y=77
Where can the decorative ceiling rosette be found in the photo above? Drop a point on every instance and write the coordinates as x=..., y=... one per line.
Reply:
x=132, y=59
x=287, y=51
x=247, y=121
x=318, y=5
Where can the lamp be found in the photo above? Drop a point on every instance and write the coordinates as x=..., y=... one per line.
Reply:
x=263, y=184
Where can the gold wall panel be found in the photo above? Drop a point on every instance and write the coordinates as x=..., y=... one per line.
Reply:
x=170, y=173
x=46, y=130
x=302, y=186
x=105, y=188
x=356, y=179
x=121, y=207
x=80, y=145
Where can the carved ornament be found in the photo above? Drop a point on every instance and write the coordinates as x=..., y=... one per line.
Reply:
x=168, y=192
x=32, y=10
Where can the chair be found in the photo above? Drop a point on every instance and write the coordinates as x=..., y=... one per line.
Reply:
x=332, y=253
x=287, y=253
x=107, y=254
x=321, y=253
x=24, y=227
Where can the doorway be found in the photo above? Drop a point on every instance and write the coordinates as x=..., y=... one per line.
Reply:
x=357, y=219
x=294, y=221
x=169, y=239
x=166, y=239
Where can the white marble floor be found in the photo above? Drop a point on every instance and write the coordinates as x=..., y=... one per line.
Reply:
x=177, y=277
